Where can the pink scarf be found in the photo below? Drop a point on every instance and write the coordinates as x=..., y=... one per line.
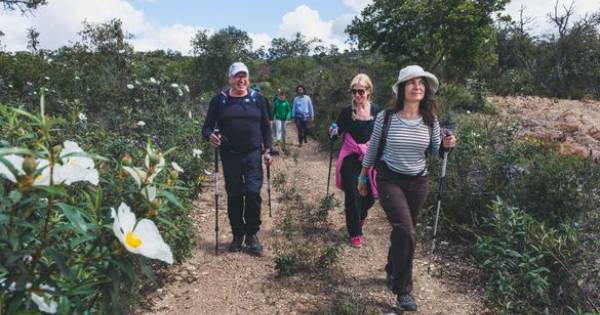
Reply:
x=351, y=147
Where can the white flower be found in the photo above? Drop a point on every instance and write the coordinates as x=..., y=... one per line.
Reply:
x=10, y=86
x=75, y=167
x=153, y=80
x=179, y=92
x=138, y=82
x=141, y=123
x=186, y=88
x=17, y=163
x=130, y=86
x=82, y=117
x=77, y=77
x=149, y=192
x=142, y=238
x=468, y=111
x=138, y=174
x=174, y=85
x=29, y=83
x=47, y=78
x=44, y=303
x=176, y=167
x=49, y=60
x=196, y=153
x=190, y=114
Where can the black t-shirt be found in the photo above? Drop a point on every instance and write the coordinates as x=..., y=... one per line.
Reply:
x=243, y=121
x=360, y=130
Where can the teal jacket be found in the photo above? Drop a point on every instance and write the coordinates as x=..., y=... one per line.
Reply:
x=282, y=110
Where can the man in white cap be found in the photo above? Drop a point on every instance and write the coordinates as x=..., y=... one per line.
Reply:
x=243, y=136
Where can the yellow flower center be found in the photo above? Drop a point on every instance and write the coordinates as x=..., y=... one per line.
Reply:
x=132, y=240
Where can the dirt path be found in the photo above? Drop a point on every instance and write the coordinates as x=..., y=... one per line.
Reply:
x=237, y=283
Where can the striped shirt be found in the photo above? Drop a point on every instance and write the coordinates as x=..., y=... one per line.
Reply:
x=405, y=146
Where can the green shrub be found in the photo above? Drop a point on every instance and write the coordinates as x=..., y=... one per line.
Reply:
x=59, y=238
x=523, y=260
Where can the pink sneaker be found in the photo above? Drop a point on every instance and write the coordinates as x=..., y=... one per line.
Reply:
x=362, y=223
x=356, y=241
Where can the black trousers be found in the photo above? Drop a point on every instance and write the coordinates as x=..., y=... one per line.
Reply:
x=356, y=206
x=401, y=197
x=243, y=181
x=303, y=129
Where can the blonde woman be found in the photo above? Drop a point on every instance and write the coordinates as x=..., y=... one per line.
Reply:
x=355, y=124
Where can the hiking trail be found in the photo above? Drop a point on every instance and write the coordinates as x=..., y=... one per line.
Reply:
x=238, y=283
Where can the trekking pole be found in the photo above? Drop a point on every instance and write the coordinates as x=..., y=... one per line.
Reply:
x=332, y=139
x=269, y=188
x=217, y=197
x=448, y=132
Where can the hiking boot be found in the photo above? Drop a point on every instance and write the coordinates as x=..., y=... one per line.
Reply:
x=406, y=302
x=356, y=241
x=236, y=244
x=253, y=245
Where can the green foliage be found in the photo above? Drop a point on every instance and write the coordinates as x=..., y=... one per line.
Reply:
x=523, y=260
x=563, y=65
x=215, y=53
x=453, y=34
x=534, y=246
x=23, y=5
x=58, y=238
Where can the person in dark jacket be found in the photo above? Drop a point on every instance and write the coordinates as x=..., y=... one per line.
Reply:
x=243, y=136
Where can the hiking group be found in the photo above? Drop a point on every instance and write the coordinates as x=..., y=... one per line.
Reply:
x=383, y=156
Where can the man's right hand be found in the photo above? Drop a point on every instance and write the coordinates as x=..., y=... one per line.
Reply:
x=215, y=140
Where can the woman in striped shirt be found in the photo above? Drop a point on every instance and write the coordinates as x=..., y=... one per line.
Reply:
x=398, y=152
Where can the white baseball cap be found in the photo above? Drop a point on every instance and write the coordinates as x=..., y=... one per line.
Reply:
x=236, y=68
x=414, y=71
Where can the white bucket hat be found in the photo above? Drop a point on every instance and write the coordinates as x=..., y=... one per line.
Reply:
x=236, y=68
x=414, y=71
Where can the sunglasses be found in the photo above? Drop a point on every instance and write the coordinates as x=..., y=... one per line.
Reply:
x=359, y=92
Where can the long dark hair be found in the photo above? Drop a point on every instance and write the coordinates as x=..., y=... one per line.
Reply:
x=428, y=107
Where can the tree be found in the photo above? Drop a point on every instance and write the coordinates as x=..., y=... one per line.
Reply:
x=33, y=39
x=215, y=53
x=23, y=5
x=297, y=46
x=453, y=34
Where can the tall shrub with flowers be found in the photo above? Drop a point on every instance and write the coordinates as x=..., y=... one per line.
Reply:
x=81, y=233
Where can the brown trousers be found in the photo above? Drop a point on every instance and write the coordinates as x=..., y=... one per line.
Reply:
x=401, y=197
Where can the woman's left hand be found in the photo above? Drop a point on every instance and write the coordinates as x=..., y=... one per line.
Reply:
x=449, y=142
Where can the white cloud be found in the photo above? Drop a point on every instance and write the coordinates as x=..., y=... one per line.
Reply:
x=60, y=20
x=357, y=5
x=174, y=37
x=308, y=22
x=260, y=39
x=539, y=9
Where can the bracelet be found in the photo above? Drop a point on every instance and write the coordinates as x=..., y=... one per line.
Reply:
x=363, y=179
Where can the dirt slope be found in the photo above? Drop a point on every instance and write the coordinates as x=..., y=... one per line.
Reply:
x=236, y=283
x=574, y=123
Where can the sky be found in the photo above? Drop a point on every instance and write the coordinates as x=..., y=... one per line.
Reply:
x=170, y=24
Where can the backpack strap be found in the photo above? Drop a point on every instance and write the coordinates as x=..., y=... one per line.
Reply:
x=387, y=117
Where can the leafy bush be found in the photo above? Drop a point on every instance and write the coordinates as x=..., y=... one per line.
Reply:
x=531, y=247
x=63, y=241
x=524, y=260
